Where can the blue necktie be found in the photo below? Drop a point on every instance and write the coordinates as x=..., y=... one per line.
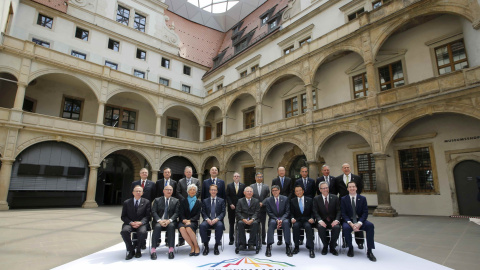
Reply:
x=212, y=211
x=300, y=204
x=281, y=181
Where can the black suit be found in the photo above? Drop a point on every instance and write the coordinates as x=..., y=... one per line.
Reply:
x=341, y=187
x=206, y=188
x=287, y=189
x=243, y=211
x=182, y=188
x=207, y=214
x=309, y=189
x=192, y=215
x=148, y=190
x=301, y=220
x=282, y=214
x=262, y=215
x=130, y=215
x=331, y=184
x=328, y=216
x=160, y=185
x=158, y=212
x=232, y=199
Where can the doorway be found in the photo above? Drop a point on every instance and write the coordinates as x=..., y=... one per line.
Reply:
x=465, y=174
x=114, y=179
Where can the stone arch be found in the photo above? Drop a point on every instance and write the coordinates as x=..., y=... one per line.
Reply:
x=331, y=131
x=205, y=115
x=122, y=90
x=451, y=178
x=268, y=84
x=235, y=96
x=175, y=104
x=165, y=158
x=132, y=157
x=15, y=73
x=206, y=157
x=269, y=147
x=236, y=151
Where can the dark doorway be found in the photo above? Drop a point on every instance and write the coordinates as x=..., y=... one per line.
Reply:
x=115, y=176
x=249, y=175
x=294, y=170
x=177, y=166
x=465, y=174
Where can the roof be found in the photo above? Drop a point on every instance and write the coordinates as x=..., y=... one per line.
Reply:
x=60, y=5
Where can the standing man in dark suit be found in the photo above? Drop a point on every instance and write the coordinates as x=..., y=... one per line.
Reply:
x=354, y=213
x=286, y=189
x=213, y=180
x=302, y=218
x=135, y=217
x=260, y=192
x=307, y=183
x=213, y=212
x=234, y=193
x=326, y=209
x=166, y=181
x=148, y=186
x=165, y=211
x=278, y=210
x=326, y=177
x=247, y=217
x=347, y=176
x=185, y=182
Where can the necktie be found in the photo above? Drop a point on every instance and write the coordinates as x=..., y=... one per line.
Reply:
x=278, y=207
x=188, y=182
x=305, y=183
x=300, y=204
x=259, y=187
x=212, y=211
x=326, y=206
x=213, y=180
x=281, y=181
x=354, y=216
x=165, y=213
x=346, y=183
x=328, y=180
x=136, y=206
x=143, y=184
x=166, y=182
x=236, y=188
x=248, y=201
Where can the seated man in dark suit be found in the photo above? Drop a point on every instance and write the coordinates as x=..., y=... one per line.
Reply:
x=354, y=213
x=326, y=209
x=302, y=218
x=135, y=217
x=278, y=210
x=247, y=213
x=213, y=212
x=165, y=211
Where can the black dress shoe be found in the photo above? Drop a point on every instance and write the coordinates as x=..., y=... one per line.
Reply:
x=230, y=243
x=153, y=256
x=350, y=252
x=371, y=257
x=138, y=254
x=264, y=243
x=268, y=252
x=289, y=251
x=215, y=250
x=312, y=253
x=171, y=255
x=130, y=255
x=279, y=243
x=295, y=250
x=251, y=247
x=206, y=250
x=360, y=246
x=334, y=252
x=324, y=250
x=144, y=246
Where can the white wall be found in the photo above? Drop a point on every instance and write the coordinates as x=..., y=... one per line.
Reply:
x=235, y=113
x=146, y=118
x=189, y=127
x=471, y=37
x=236, y=164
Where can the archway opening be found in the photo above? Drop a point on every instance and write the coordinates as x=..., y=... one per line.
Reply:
x=8, y=90
x=177, y=166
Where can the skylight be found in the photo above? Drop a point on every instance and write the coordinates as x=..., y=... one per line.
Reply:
x=214, y=6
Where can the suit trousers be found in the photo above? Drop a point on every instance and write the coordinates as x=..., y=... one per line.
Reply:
x=262, y=217
x=297, y=226
x=204, y=227
x=272, y=226
x=141, y=236
x=369, y=229
x=323, y=234
x=231, y=222
x=242, y=238
x=170, y=230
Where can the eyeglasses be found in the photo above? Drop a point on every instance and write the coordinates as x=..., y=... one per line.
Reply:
x=168, y=189
x=324, y=188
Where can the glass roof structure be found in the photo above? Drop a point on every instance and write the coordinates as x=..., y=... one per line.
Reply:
x=214, y=6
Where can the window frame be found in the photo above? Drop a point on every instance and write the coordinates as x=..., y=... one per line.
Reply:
x=77, y=28
x=128, y=17
x=113, y=41
x=141, y=51
x=288, y=50
x=371, y=162
x=292, y=111
x=135, y=71
x=184, y=86
x=450, y=56
x=40, y=42
x=219, y=129
x=167, y=61
x=304, y=41
x=135, y=22
x=382, y=2
x=392, y=81
x=62, y=109
x=120, y=116
x=187, y=70
x=364, y=82
x=247, y=116
x=243, y=74
x=74, y=53
x=357, y=14
x=178, y=127
x=111, y=64
x=164, y=79
x=45, y=23
x=254, y=68
x=34, y=101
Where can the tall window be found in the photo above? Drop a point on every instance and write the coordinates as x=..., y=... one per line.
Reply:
x=249, y=119
x=81, y=34
x=128, y=119
x=366, y=169
x=41, y=42
x=391, y=76
x=291, y=107
x=360, y=85
x=71, y=108
x=79, y=55
x=123, y=15
x=219, y=130
x=172, y=127
x=185, y=88
x=416, y=170
x=451, y=57
x=115, y=115
x=45, y=21
x=165, y=63
x=139, y=74
x=139, y=22
x=111, y=65
x=187, y=70
x=141, y=54
x=113, y=45
x=288, y=50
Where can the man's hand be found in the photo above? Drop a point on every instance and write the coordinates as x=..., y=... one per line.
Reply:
x=261, y=204
x=215, y=220
x=323, y=224
x=293, y=221
x=356, y=227
x=209, y=221
x=279, y=223
x=335, y=222
x=232, y=206
x=311, y=221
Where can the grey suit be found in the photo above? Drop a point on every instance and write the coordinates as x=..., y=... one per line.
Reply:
x=283, y=213
x=328, y=216
x=182, y=188
x=158, y=213
x=243, y=211
x=262, y=216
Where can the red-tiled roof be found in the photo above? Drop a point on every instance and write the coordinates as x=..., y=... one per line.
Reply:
x=60, y=5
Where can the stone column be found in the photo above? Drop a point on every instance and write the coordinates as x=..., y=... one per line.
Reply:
x=91, y=188
x=224, y=126
x=5, y=174
x=200, y=177
x=158, y=124
x=154, y=175
x=222, y=175
x=372, y=82
x=202, y=133
x=260, y=170
x=309, y=111
x=101, y=112
x=384, y=208
x=19, y=96
x=313, y=169
x=258, y=114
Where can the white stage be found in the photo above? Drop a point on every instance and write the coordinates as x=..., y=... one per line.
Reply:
x=387, y=258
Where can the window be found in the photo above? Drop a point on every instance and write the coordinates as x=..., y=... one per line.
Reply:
x=164, y=81
x=304, y=101
x=113, y=45
x=291, y=107
x=29, y=104
x=254, y=68
x=304, y=41
x=71, y=108
x=356, y=14
x=111, y=65
x=142, y=55
x=41, y=42
x=288, y=50
x=139, y=22
x=45, y=21
x=242, y=45
x=123, y=15
x=81, y=34
x=243, y=74
x=451, y=57
x=219, y=130
x=360, y=85
x=220, y=86
x=249, y=119
x=187, y=70
x=272, y=25
x=185, y=88
x=139, y=74
x=377, y=4
x=165, y=63
x=116, y=115
x=416, y=170
x=172, y=127
x=366, y=170
x=265, y=19
x=391, y=76
x=79, y=55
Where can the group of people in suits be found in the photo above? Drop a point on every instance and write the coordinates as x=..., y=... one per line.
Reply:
x=328, y=204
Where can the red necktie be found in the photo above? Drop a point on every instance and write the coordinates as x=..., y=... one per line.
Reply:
x=143, y=184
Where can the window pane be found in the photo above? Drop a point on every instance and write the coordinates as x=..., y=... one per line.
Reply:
x=458, y=51
x=384, y=74
x=397, y=71
x=122, y=15
x=442, y=56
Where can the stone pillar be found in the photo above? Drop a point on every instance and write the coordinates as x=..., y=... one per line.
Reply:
x=154, y=175
x=258, y=114
x=224, y=126
x=309, y=112
x=372, y=82
x=158, y=124
x=260, y=170
x=202, y=133
x=5, y=173
x=200, y=177
x=222, y=175
x=313, y=169
x=19, y=96
x=384, y=208
x=101, y=112
x=91, y=188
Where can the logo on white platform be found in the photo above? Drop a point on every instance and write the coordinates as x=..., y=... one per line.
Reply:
x=248, y=262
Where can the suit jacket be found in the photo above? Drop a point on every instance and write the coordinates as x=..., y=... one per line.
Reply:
x=283, y=207
x=310, y=189
x=149, y=191
x=307, y=209
x=142, y=214
x=287, y=189
x=158, y=209
x=331, y=186
x=182, y=188
x=219, y=208
x=265, y=193
x=185, y=213
x=243, y=211
x=361, y=208
x=320, y=211
x=206, y=188
x=232, y=197
x=160, y=185
x=342, y=188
